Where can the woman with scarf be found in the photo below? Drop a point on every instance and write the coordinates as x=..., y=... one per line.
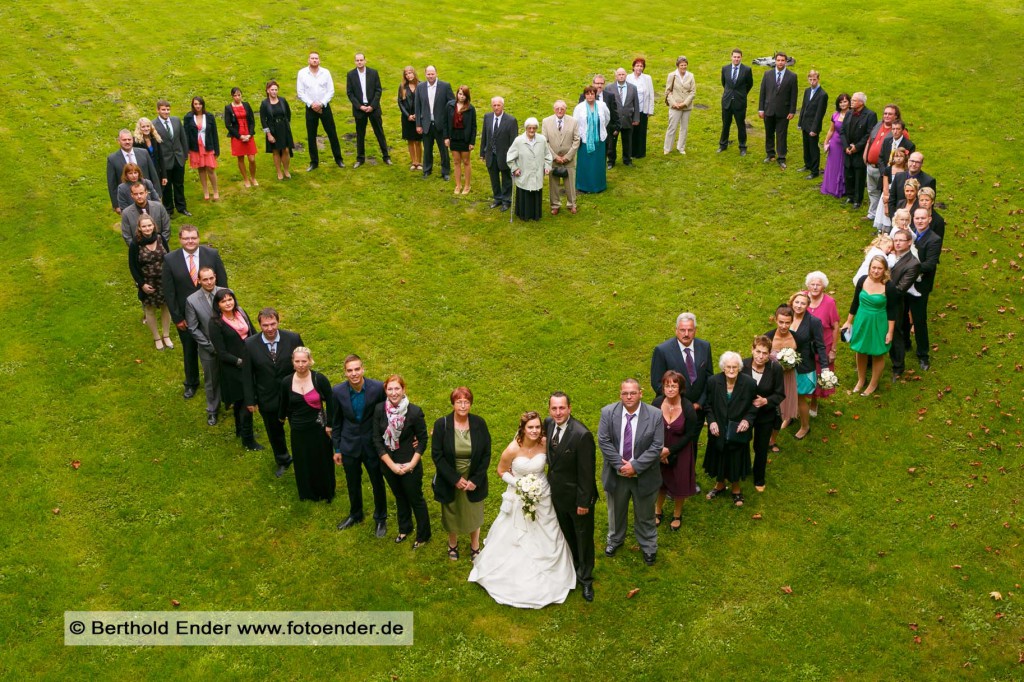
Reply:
x=400, y=437
x=306, y=401
x=593, y=117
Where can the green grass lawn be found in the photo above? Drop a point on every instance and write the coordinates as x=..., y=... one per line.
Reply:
x=891, y=573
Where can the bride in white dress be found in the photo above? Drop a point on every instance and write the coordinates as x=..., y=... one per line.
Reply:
x=525, y=563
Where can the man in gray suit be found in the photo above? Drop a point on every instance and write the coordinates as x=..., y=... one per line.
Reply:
x=174, y=155
x=143, y=206
x=198, y=311
x=631, y=435
x=627, y=103
x=431, y=104
x=128, y=154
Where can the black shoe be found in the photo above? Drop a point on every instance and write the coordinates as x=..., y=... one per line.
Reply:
x=896, y=376
x=924, y=365
x=340, y=164
x=650, y=558
x=811, y=176
x=768, y=159
x=610, y=551
x=445, y=177
x=588, y=592
x=382, y=528
x=185, y=212
x=312, y=167
x=189, y=392
x=627, y=163
x=253, y=446
x=720, y=150
x=279, y=472
x=743, y=152
x=388, y=162
x=348, y=523
x=426, y=175
x=211, y=418
x=505, y=207
x=855, y=205
x=494, y=204
x=782, y=165
x=355, y=165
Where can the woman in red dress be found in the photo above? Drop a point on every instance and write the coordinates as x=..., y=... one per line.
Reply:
x=241, y=122
x=203, y=145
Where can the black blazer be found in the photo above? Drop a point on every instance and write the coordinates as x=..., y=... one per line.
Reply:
x=810, y=340
x=135, y=268
x=177, y=283
x=812, y=113
x=262, y=383
x=857, y=131
x=691, y=428
x=442, y=95
x=156, y=154
x=627, y=113
x=192, y=133
x=734, y=96
x=494, y=146
x=904, y=272
x=667, y=356
x=896, y=189
x=721, y=411
x=572, y=466
x=173, y=151
x=231, y=121
x=770, y=387
x=355, y=92
x=415, y=429
x=893, y=298
x=468, y=124
x=442, y=451
x=233, y=357
x=929, y=249
x=350, y=437
x=781, y=100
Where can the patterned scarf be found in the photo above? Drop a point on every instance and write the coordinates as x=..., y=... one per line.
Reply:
x=396, y=421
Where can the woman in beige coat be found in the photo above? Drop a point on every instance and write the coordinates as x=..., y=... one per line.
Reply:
x=529, y=159
x=680, y=89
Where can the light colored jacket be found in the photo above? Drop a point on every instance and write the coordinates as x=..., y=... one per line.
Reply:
x=644, y=91
x=603, y=114
x=532, y=160
x=562, y=142
x=680, y=89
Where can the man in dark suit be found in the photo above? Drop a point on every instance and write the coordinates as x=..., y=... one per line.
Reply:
x=627, y=107
x=270, y=361
x=431, y=108
x=141, y=205
x=812, y=113
x=896, y=140
x=498, y=132
x=687, y=355
x=127, y=154
x=572, y=463
x=364, y=90
x=631, y=435
x=199, y=311
x=352, y=434
x=612, y=129
x=903, y=275
x=174, y=153
x=929, y=249
x=914, y=170
x=181, y=280
x=737, y=82
x=856, y=129
x=776, y=104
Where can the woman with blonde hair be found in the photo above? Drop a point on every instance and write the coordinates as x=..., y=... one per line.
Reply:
x=872, y=318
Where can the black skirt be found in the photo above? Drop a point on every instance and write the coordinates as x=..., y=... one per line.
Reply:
x=529, y=204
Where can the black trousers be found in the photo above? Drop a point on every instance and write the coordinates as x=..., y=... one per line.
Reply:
x=812, y=153
x=354, y=482
x=313, y=121
x=431, y=136
x=378, y=130
x=579, y=535
x=762, y=437
x=243, y=422
x=728, y=116
x=898, y=348
x=409, y=502
x=174, y=191
x=626, y=137
x=856, y=178
x=640, y=137
x=917, y=306
x=275, y=434
x=190, y=353
x=776, y=128
x=501, y=182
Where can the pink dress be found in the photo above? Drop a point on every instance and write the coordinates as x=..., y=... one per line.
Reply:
x=828, y=314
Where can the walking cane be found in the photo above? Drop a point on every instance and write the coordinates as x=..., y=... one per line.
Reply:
x=512, y=210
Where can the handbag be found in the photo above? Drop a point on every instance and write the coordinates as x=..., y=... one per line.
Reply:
x=734, y=436
x=560, y=171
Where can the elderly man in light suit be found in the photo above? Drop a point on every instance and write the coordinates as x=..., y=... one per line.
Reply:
x=563, y=136
x=198, y=313
x=631, y=435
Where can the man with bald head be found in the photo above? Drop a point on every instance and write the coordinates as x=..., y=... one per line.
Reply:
x=627, y=107
x=431, y=108
x=562, y=133
x=855, y=133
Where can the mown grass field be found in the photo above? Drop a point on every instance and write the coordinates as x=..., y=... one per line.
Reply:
x=891, y=575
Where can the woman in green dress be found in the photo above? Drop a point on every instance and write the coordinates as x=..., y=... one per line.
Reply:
x=592, y=118
x=461, y=450
x=873, y=313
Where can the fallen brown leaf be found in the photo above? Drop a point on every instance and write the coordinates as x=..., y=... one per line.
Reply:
x=913, y=626
x=757, y=516
x=996, y=595
x=786, y=589
x=56, y=510
x=833, y=491
x=175, y=602
x=75, y=464
x=917, y=639
x=632, y=593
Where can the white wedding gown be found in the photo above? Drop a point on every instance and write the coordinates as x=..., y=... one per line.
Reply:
x=525, y=563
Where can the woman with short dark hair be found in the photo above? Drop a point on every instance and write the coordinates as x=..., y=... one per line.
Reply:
x=229, y=328
x=241, y=124
x=203, y=146
x=678, y=461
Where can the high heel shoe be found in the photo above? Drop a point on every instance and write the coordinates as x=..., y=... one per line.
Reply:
x=159, y=344
x=465, y=190
x=167, y=342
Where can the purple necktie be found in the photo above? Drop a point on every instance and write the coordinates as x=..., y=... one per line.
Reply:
x=627, y=439
x=691, y=371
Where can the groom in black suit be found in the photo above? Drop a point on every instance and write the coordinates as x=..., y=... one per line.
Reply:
x=737, y=82
x=571, y=474
x=777, y=106
x=812, y=113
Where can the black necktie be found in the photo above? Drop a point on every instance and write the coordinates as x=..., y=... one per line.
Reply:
x=557, y=437
x=735, y=69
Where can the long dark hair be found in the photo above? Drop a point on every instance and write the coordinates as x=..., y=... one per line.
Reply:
x=523, y=421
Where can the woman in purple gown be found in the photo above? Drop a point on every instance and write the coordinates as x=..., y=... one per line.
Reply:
x=834, y=180
x=678, y=460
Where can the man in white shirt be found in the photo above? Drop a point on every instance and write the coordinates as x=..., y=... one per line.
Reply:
x=126, y=154
x=364, y=90
x=315, y=88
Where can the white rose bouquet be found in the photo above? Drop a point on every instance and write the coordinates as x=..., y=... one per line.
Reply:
x=828, y=379
x=788, y=358
x=529, y=489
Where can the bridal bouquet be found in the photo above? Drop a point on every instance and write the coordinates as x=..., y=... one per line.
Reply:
x=788, y=358
x=828, y=379
x=529, y=489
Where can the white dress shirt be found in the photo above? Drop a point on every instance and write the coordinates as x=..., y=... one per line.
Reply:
x=315, y=87
x=362, y=84
x=622, y=432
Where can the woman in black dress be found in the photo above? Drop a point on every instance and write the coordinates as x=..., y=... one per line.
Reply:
x=306, y=401
x=730, y=414
x=461, y=136
x=146, y=263
x=678, y=463
x=407, y=105
x=770, y=393
x=396, y=424
x=276, y=121
x=229, y=328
